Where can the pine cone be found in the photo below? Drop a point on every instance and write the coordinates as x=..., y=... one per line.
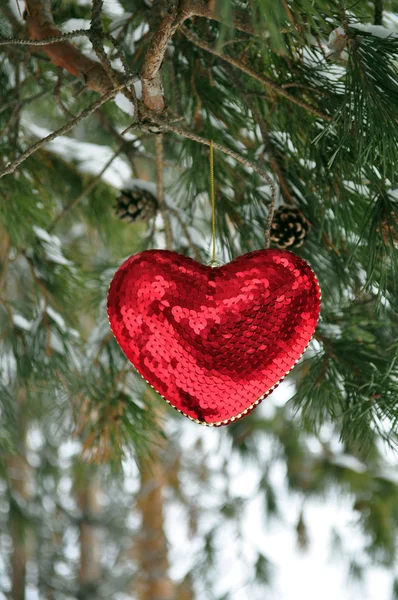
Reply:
x=289, y=228
x=136, y=204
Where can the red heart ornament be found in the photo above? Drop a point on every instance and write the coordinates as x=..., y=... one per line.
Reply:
x=214, y=341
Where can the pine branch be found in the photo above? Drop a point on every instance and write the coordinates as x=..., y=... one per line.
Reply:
x=201, y=140
x=273, y=164
x=44, y=41
x=268, y=83
x=62, y=54
x=150, y=78
x=96, y=36
x=47, y=295
x=365, y=125
x=84, y=193
x=270, y=217
x=5, y=246
x=10, y=168
x=57, y=95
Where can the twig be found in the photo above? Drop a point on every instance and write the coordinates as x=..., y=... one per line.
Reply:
x=274, y=166
x=119, y=53
x=201, y=140
x=174, y=86
x=12, y=118
x=46, y=293
x=84, y=193
x=22, y=103
x=288, y=12
x=160, y=192
x=5, y=255
x=166, y=163
x=268, y=224
x=10, y=168
x=96, y=36
x=233, y=41
x=127, y=71
x=225, y=150
x=44, y=41
x=57, y=95
x=103, y=342
x=128, y=147
x=275, y=87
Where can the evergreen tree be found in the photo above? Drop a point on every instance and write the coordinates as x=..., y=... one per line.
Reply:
x=105, y=133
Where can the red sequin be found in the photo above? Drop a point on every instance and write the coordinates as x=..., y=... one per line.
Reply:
x=214, y=341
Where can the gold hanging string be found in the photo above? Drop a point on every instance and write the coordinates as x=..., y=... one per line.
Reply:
x=213, y=205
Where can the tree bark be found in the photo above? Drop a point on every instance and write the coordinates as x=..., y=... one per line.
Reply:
x=86, y=493
x=150, y=549
x=153, y=580
x=63, y=54
x=18, y=473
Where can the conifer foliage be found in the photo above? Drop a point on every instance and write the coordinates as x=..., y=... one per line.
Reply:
x=106, y=104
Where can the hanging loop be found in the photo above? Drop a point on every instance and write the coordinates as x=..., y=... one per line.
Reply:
x=213, y=208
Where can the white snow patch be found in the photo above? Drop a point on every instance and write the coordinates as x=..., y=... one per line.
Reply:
x=138, y=89
x=46, y=237
x=149, y=186
x=349, y=462
x=112, y=8
x=73, y=24
x=57, y=318
x=391, y=19
x=140, y=31
x=376, y=30
x=52, y=246
x=124, y=104
x=21, y=322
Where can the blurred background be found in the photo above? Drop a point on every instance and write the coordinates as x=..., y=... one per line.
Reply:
x=106, y=491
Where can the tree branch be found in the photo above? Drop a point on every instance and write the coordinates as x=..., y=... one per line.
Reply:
x=274, y=167
x=44, y=41
x=152, y=94
x=10, y=168
x=96, y=36
x=197, y=138
x=275, y=87
x=150, y=78
x=63, y=54
x=84, y=193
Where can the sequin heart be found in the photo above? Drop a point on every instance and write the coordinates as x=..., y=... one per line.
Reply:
x=214, y=341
